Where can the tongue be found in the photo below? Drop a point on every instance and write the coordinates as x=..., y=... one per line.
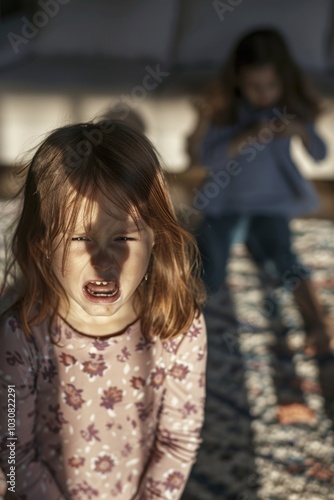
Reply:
x=109, y=288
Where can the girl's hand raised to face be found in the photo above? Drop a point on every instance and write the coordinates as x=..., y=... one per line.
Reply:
x=296, y=127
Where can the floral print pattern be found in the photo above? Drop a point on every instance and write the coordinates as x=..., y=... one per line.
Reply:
x=73, y=396
x=49, y=370
x=104, y=464
x=104, y=412
x=124, y=356
x=137, y=382
x=179, y=371
x=67, y=359
x=76, y=461
x=90, y=433
x=111, y=397
x=174, y=481
x=95, y=366
x=88, y=491
x=56, y=421
x=157, y=377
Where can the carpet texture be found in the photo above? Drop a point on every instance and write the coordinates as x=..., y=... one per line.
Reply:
x=269, y=427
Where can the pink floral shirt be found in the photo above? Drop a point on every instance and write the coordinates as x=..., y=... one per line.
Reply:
x=113, y=417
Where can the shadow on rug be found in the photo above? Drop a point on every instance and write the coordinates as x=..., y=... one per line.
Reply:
x=268, y=431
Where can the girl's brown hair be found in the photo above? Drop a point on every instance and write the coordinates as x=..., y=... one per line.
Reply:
x=257, y=49
x=83, y=161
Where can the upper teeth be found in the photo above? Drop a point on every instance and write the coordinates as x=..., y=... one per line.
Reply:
x=99, y=282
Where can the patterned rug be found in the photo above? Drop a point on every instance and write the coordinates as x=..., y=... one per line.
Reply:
x=269, y=428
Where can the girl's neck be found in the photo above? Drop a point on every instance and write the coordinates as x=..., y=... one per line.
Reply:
x=97, y=333
x=99, y=326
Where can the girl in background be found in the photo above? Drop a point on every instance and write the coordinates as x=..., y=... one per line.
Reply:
x=105, y=346
x=263, y=102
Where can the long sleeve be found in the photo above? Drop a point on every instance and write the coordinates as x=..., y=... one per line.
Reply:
x=181, y=416
x=18, y=366
x=317, y=147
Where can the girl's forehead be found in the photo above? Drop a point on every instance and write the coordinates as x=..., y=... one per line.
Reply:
x=102, y=212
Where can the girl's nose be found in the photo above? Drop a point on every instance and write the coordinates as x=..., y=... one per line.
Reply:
x=103, y=260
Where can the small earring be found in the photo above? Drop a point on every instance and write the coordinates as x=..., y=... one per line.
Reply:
x=146, y=277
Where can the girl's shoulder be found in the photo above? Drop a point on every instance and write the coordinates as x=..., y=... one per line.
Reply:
x=19, y=353
x=12, y=330
x=8, y=318
x=11, y=326
x=198, y=325
x=16, y=347
x=194, y=337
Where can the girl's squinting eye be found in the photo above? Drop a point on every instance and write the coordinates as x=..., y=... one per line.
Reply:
x=124, y=238
x=79, y=238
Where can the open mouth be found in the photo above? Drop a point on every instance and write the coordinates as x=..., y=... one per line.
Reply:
x=102, y=290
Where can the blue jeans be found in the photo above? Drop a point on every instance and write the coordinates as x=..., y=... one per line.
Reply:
x=267, y=238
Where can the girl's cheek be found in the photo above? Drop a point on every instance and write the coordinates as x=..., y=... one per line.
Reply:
x=56, y=263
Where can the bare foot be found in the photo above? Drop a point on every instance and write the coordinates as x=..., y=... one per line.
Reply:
x=295, y=413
